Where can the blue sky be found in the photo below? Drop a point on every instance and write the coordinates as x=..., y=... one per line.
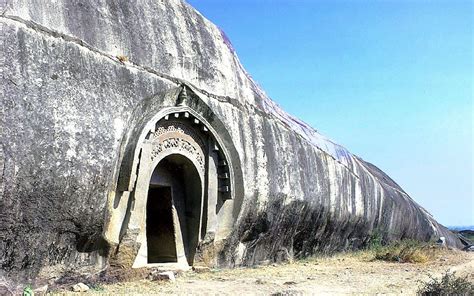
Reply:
x=392, y=81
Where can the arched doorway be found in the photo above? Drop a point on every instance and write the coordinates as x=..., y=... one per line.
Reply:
x=174, y=141
x=174, y=210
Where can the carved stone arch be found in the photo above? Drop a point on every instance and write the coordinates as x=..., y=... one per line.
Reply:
x=177, y=124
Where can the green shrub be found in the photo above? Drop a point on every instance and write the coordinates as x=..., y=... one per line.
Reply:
x=97, y=287
x=375, y=241
x=449, y=284
x=28, y=291
x=406, y=251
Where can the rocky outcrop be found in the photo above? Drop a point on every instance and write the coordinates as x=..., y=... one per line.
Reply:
x=76, y=75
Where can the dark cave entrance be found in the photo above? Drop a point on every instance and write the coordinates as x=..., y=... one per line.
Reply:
x=160, y=230
x=173, y=210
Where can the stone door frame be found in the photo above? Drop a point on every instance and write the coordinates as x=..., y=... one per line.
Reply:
x=126, y=222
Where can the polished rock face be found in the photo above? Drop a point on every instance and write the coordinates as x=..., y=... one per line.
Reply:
x=85, y=84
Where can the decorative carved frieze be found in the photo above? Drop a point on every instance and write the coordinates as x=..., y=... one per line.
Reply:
x=176, y=135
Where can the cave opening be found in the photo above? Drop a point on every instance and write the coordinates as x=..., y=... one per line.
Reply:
x=173, y=210
x=160, y=230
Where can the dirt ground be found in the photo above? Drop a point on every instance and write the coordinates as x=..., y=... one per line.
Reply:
x=355, y=273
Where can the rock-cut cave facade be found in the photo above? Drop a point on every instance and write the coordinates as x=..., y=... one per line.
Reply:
x=132, y=136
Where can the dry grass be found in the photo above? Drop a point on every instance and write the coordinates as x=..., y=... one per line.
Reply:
x=122, y=58
x=408, y=251
x=345, y=273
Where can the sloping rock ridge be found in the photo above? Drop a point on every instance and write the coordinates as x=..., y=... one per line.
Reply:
x=100, y=98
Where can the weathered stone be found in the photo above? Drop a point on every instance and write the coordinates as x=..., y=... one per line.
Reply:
x=441, y=241
x=80, y=287
x=40, y=290
x=282, y=255
x=104, y=103
x=162, y=276
x=469, y=249
x=5, y=290
x=201, y=269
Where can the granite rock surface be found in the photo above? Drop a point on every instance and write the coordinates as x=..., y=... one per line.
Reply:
x=73, y=73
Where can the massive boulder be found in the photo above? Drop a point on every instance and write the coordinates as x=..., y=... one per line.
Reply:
x=131, y=135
